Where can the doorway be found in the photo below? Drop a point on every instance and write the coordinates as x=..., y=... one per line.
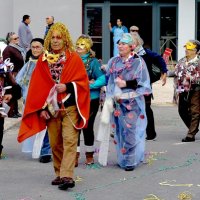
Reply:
x=93, y=27
x=157, y=22
x=140, y=16
x=168, y=30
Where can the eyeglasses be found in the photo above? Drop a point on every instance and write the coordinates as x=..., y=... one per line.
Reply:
x=36, y=47
x=47, y=18
x=16, y=38
x=134, y=30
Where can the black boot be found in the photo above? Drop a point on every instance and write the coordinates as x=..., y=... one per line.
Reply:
x=188, y=139
x=45, y=159
x=89, y=158
x=1, y=147
x=66, y=182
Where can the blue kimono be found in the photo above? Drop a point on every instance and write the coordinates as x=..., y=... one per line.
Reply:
x=128, y=118
x=24, y=75
x=117, y=34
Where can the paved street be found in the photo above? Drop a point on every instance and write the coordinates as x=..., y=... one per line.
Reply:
x=171, y=167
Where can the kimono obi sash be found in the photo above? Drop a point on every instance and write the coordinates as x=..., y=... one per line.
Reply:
x=128, y=95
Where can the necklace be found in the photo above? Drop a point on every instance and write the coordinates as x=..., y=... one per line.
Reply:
x=87, y=63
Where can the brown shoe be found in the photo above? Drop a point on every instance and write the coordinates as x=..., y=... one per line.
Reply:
x=89, y=158
x=66, y=182
x=77, y=157
x=56, y=181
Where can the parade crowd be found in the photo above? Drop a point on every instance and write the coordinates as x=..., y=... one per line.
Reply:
x=63, y=85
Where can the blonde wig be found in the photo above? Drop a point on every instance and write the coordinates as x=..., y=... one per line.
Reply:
x=58, y=26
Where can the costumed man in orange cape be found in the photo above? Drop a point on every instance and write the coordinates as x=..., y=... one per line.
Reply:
x=58, y=98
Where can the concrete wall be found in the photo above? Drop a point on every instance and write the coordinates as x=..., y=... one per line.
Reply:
x=186, y=24
x=6, y=17
x=68, y=12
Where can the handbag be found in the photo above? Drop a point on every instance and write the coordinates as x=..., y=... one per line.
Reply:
x=156, y=73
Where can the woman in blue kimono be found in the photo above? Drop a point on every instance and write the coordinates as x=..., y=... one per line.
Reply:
x=128, y=82
x=117, y=34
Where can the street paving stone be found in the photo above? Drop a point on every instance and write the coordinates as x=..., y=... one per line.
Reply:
x=170, y=170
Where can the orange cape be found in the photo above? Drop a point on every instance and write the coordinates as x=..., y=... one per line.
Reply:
x=40, y=84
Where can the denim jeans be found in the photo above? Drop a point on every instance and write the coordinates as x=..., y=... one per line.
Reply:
x=46, y=149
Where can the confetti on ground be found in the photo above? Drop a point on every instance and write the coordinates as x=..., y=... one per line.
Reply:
x=123, y=179
x=186, y=163
x=152, y=156
x=198, y=185
x=79, y=196
x=3, y=156
x=152, y=197
x=173, y=183
x=78, y=179
x=179, y=143
x=93, y=166
x=185, y=196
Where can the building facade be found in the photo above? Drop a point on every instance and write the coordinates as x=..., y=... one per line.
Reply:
x=162, y=23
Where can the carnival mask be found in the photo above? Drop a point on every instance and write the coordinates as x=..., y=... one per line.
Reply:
x=51, y=58
x=190, y=46
x=84, y=43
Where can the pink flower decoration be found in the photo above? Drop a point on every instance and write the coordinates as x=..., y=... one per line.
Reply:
x=128, y=66
x=113, y=125
x=129, y=107
x=117, y=113
x=130, y=115
x=141, y=116
x=128, y=125
x=123, y=150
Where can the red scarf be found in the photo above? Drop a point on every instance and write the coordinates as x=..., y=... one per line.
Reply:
x=41, y=83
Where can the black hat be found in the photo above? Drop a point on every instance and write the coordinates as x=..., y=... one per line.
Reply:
x=40, y=40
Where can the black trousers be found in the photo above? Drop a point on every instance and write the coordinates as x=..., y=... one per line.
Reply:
x=150, y=130
x=1, y=133
x=88, y=133
x=189, y=111
x=13, y=107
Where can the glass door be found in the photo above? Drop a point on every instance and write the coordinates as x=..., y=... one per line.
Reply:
x=140, y=16
x=168, y=30
x=93, y=27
